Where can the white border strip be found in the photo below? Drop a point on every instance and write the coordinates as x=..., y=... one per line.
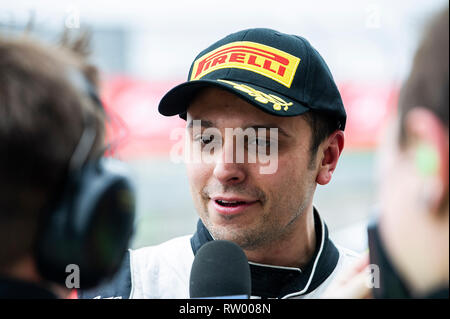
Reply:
x=132, y=275
x=314, y=266
x=272, y=266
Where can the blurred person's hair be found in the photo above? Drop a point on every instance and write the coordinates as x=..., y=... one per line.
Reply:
x=42, y=117
x=428, y=83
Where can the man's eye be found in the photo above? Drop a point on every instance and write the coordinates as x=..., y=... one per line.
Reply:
x=204, y=139
x=260, y=142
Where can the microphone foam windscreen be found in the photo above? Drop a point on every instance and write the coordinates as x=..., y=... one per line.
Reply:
x=220, y=268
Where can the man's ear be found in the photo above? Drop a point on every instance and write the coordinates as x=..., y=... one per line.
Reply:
x=329, y=151
x=427, y=141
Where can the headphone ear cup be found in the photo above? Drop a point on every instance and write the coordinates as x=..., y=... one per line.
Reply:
x=90, y=226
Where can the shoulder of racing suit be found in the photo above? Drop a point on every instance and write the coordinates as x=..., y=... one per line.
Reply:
x=162, y=271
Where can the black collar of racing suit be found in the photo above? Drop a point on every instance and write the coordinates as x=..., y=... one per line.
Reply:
x=284, y=282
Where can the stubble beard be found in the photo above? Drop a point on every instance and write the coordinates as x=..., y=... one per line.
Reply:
x=269, y=230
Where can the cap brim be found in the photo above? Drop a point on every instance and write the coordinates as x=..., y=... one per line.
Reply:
x=177, y=100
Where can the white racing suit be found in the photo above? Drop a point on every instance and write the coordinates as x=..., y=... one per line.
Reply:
x=163, y=271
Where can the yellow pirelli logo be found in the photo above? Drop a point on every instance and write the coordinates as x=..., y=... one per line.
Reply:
x=259, y=58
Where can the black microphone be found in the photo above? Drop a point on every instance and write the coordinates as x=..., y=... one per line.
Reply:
x=220, y=270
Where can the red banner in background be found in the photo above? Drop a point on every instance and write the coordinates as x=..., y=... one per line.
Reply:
x=135, y=128
x=368, y=107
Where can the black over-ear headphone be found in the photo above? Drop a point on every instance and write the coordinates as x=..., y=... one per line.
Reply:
x=91, y=222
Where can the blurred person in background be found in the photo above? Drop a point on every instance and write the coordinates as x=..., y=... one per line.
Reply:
x=51, y=126
x=409, y=243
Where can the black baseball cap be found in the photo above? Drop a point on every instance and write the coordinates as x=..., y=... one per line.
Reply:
x=279, y=73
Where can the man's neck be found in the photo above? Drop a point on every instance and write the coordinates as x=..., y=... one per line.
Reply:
x=293, y=250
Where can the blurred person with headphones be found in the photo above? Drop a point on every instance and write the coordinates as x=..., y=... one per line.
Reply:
x=64, y=208
x=409, y=239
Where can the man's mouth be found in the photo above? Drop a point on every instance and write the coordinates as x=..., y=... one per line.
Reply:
x=232, y=206
x=225, y=203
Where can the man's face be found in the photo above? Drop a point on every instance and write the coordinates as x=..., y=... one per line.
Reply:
x=234, y=200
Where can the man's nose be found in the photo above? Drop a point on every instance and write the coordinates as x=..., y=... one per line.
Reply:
x=226, y=170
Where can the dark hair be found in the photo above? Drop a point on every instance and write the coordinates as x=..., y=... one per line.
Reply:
x=428, y=83
x=42, y=117
x=322, y=126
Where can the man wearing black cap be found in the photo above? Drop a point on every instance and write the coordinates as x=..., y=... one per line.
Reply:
x=274, y=93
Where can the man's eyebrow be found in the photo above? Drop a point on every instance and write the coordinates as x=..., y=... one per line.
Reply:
x=203, y=123
x=269, y=126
